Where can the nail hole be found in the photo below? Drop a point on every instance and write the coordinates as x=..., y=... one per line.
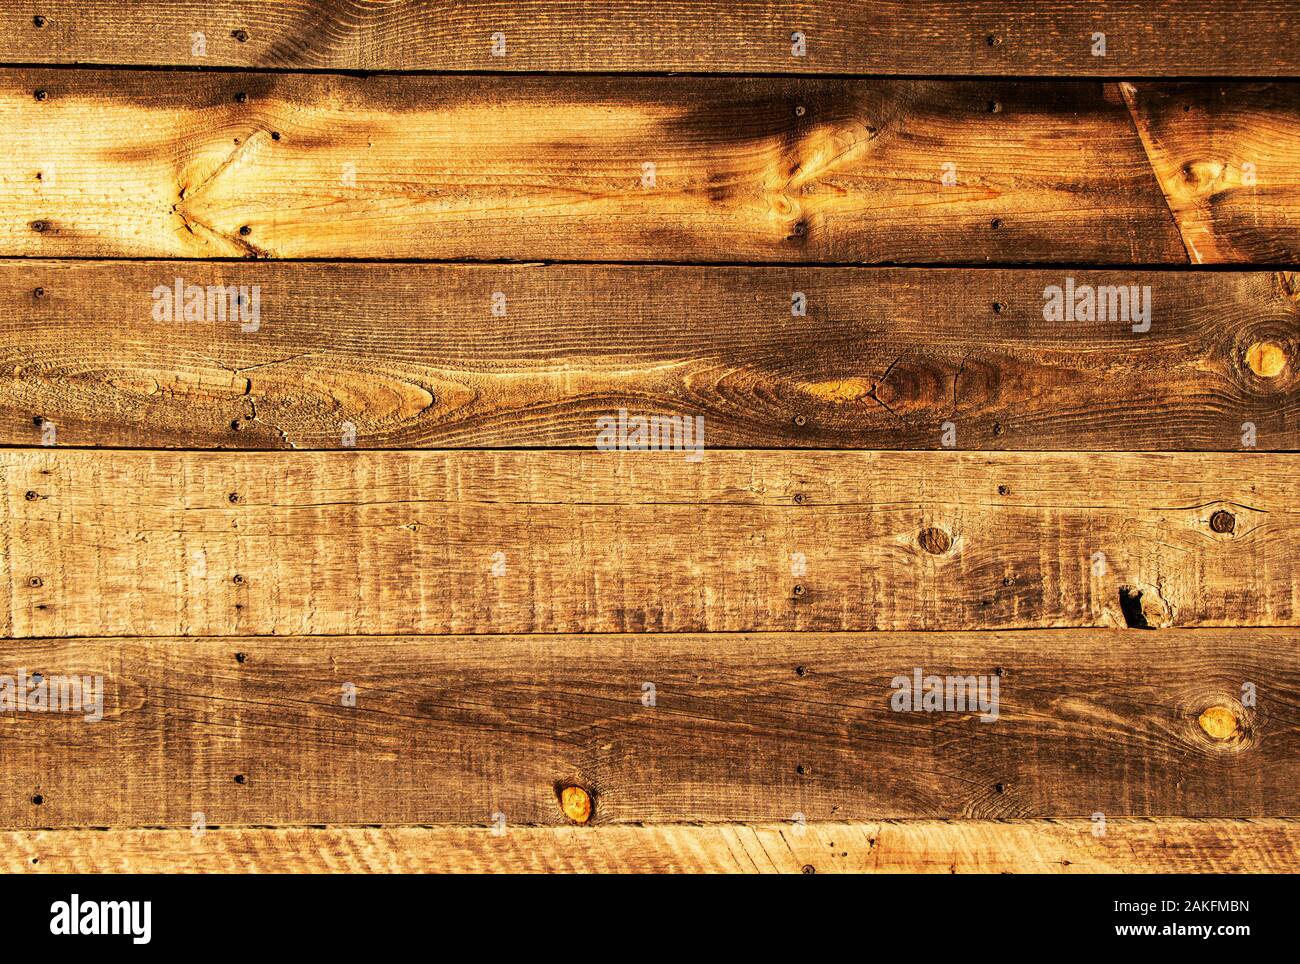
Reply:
x=235, y=425
x=241, y=657
x=38, y=21
x=809, y=869
x=799, y=590
x=934, y=541
x=801, y=671
x=800, y=421
x=240, y=35
x=37, y=799
x=39, y=226
x=801, y=770
x=233, y=497
x=997, y=307
x=240, y=779
x=995, y=107
x=996, y=224
x=993, y=40
x=1004, y=490
x=997, y=428
x=1000, y=787
x=1223, y=521
x=39, y=292
x=999, y=672
x=241, y=98
x=800, y=498
x=42, y=94
x=31, y=496
x=245, y=230
x=275, y=135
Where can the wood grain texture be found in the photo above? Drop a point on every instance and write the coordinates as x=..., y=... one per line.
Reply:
x=412, y=356
x=1044, y=37
x=165, y=164
x=446, y=633
x=452, y=730
x=151, y=543
x=1227, y=160
x=1168, y=845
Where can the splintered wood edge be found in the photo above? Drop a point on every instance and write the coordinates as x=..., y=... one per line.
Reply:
x=1094, y=845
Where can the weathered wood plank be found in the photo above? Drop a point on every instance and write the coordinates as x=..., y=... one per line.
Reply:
x=400, y=355
x=1143, y=37
x=762, y=727
x=1227, y=163
x=1167, y=845
x=166, y=164
x=211, y=543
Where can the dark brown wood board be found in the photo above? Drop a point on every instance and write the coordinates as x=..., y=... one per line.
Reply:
x=761, y=728
x=422, y=356
x=1040, y=37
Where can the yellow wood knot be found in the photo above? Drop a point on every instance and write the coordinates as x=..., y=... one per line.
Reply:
x=1219, y=723
x=838, y=390
x=576, y=803
x=1202, y=174
x=1266, y=359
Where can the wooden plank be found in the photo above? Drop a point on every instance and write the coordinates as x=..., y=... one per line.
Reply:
x=400, y=355
x=1143, y=37
x=762, y=727
x=168, y=164
x=1226, y=160
x=1168, y=845
x=210, y=543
